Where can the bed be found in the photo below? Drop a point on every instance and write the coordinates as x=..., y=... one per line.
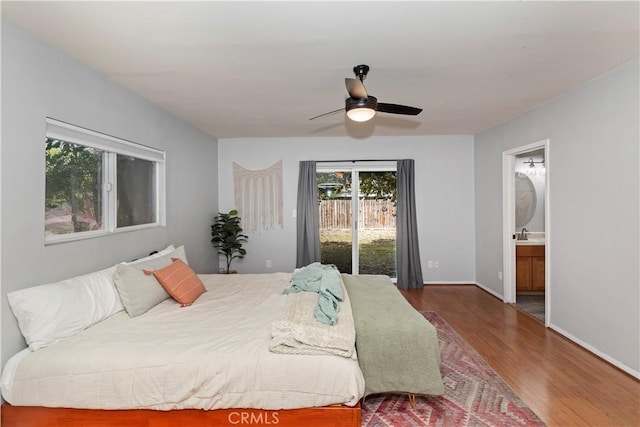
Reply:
x=212, y=355
x=206, y=364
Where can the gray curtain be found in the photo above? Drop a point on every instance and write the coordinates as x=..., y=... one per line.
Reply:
x=408, y=266
x=308, y=237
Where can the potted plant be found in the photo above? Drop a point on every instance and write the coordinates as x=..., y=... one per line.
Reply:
x=228, y=237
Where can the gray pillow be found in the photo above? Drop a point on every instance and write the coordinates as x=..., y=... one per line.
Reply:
x=138, y=292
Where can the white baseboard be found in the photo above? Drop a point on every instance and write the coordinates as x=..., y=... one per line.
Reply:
x=450, y=282
x=491, y=291
x=597, y=352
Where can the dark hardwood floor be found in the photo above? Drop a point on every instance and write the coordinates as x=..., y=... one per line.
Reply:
x=562, y=383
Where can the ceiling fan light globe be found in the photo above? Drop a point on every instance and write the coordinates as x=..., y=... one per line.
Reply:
x=361, y=110
x=361, y=114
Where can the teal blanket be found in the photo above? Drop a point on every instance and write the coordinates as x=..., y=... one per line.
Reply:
x=324, y=280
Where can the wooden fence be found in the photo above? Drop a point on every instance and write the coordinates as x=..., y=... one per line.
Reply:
x=373, y=214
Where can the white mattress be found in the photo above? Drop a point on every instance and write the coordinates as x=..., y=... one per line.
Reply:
x=214, y=354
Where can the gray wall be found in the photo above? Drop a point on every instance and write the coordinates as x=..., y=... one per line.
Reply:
x=444, y=194
x=39, y=81
x=594, y=187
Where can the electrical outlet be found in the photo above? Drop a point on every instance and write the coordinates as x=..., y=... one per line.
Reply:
x=268, y=263
x=500, y=275
x=430, y=263
x=436, y=264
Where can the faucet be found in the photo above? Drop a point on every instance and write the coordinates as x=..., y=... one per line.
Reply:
x=523, y=235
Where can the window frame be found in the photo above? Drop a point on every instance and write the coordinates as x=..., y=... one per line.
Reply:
x=111, y=147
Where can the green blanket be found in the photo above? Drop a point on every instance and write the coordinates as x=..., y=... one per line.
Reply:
x=398, y=349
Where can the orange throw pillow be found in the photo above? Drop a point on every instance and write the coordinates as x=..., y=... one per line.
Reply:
x=180, y=281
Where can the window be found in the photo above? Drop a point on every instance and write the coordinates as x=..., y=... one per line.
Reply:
x=136, y=195
x=98, y=184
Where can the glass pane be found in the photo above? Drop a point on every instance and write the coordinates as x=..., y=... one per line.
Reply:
x=334, y=194
x=377, y=223
x=136, y=191
x=73, y=189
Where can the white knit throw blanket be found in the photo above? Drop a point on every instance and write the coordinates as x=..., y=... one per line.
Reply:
x=298, y=332
x=258, y=196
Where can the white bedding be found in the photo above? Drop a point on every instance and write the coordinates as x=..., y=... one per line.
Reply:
x=214, y=354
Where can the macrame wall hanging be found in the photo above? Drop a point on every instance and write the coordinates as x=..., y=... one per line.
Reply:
x=258, y=197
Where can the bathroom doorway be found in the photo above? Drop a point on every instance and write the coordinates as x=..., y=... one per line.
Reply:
x=526, y=237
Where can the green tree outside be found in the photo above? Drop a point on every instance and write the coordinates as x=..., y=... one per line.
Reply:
x=74, y=179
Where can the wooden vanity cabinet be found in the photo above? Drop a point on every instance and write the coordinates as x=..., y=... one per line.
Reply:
x=530, y=268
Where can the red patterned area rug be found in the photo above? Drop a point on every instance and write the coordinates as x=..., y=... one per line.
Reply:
x=474, y=393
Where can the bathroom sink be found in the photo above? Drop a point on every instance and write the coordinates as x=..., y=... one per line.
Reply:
x=533, y=238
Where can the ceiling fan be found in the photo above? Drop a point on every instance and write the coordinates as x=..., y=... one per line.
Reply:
x=360, y=106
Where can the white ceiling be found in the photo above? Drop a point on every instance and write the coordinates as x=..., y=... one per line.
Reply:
x=262, y=69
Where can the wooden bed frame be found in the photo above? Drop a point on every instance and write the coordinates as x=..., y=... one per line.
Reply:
x=36, y=416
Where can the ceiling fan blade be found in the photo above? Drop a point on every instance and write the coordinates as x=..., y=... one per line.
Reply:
x=326, y=114
x=355, y=88
x=398, y=109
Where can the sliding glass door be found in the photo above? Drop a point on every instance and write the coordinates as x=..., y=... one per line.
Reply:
x=357, y=218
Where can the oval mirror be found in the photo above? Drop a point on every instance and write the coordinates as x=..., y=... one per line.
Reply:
x=525, y=200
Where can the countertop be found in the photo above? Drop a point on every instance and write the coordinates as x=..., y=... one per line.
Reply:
x=531, y=242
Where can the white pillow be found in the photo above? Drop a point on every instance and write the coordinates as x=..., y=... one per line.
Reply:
x=48, y=313
x=159, y=260
x=163, y=252
x=179, y=253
